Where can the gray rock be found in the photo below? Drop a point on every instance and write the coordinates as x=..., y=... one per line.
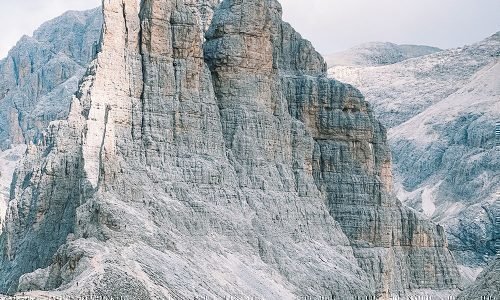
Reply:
x=442, y=109
x=37, y=80
x=40, y=74
x=487, y=284
x=231, y=167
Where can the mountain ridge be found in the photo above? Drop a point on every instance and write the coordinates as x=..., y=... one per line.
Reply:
x=441, y=110
x=378, y=53
x=231, y=163
x=38, y=78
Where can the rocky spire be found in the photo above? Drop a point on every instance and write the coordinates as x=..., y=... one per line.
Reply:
x=226, y=168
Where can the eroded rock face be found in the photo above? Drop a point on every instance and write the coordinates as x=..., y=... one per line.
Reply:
x=487, y=284
x=40, y=74
x=442, y=109
x=230, y=167
x=37, y=81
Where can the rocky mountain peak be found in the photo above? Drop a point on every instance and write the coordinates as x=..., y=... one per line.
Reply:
x=224, y=166
x=40, y=74
x=37, y=79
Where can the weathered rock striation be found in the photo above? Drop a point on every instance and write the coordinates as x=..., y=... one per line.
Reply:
x=442, y=109
x=224, y=166
x=40, y=74
x=37, y=81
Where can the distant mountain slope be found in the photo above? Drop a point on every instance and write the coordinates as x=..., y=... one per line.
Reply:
x=448, y=163
x=441, y=110
x=37, y=80
x=40, y=74
x=378, y=54
x=412, y=85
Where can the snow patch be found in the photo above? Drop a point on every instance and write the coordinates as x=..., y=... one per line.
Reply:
x=428, y=205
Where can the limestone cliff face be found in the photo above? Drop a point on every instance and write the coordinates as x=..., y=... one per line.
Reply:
x=351, y=162
x=37, y=80
x=224, y=165
x=41, y=72
x=446, y=162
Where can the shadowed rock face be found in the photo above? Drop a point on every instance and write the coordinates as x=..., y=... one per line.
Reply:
x=487, y=284
x=37, y=81
x=224, y=166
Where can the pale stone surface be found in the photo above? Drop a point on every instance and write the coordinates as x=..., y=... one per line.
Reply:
x=226, y=167
x=377, y=54
x=40, y=74
x=442, y=109
x=37, y=80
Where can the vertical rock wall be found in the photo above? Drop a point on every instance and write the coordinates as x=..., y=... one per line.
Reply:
x=231, y=167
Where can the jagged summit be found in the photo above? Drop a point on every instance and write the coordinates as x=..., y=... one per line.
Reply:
x=40, y=74
x=214, y=164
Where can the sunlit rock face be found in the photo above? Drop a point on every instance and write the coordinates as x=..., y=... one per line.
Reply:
x=214, y=164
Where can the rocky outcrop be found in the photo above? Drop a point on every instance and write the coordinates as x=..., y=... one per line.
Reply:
x=442, y=109
x=487, y=284
x=37, y=81
x=40, y=74
x=230, y=167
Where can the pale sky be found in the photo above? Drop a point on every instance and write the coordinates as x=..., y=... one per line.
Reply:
x=331, y=25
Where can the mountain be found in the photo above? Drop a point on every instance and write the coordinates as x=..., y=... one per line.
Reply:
x=214, y=164
x=414, y=84
x=486, y=285
x=40, y=74
x=37, y=80
x=442, y=109
x=378, y=54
